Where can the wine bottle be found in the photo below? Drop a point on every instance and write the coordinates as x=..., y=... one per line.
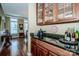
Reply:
x=76, y=35
x=67, y=38
x=73, y=37
x=77, y=39
x=73, y=40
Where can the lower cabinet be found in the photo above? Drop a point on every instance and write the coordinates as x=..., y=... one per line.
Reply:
x=33, y=50
x=41, y=51
x=52, y=54
x=40, y=48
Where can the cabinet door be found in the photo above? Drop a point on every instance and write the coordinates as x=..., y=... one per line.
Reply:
x=42, y=51
x=33, y=49
x=60, y=10
x=66, y=11
x=76, y=11
x=39, y=13
x=48, y=12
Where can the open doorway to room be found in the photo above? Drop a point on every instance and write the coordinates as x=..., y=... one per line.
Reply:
x=15, y=23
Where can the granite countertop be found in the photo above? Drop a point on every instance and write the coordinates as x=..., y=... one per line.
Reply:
x=57, y=43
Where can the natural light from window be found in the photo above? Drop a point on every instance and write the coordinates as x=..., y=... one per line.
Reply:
x=14, y=25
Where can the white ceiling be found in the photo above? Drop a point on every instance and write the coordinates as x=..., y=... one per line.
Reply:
x=16, y=9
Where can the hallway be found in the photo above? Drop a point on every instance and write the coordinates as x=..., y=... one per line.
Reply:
x=17, y=48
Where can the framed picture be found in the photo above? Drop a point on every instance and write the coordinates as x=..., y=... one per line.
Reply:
x=21, y=26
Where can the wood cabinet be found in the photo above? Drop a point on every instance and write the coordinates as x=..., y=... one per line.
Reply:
x=39, y=13
x=33, y=50
x=41, y=51
x=37, y=49
x=48, y=12
x=56, y=13
x=40, y=48
x=65, y=10
x=52, y=54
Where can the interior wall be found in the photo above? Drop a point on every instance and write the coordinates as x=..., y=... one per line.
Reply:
x=58, y=28
x=0, y=23
x=7, y=21
x=1, y=15
x=1, y=10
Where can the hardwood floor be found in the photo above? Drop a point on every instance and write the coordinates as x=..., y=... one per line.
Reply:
x=17, y=48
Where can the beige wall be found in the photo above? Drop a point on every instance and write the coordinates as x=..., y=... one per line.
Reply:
x=7, y=21
x=1, y=10
x=2, y=24
x=59, y=28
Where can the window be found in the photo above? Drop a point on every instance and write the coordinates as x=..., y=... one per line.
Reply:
x=25, y=25
x=14, y=25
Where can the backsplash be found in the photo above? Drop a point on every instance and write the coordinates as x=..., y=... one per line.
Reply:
x=56, y=29
x=59, y=28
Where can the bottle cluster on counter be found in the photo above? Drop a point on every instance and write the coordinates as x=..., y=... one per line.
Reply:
x=72, y=35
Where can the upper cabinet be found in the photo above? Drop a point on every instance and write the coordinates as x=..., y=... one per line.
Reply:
x=48, y=12
x=56, y=13
x=39, y=13
x=66, y=12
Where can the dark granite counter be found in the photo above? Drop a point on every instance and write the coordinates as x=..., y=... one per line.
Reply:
x=57, y=43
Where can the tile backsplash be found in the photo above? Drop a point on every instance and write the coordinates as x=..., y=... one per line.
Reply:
x=59, y=28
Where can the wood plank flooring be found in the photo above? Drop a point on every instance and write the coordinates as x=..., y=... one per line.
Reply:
x=17, y=48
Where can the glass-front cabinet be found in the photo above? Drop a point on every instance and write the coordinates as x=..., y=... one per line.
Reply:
x=39, y=13
x=60, y=10
x=48, y=9
x=56, y=13
x=66, y=12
